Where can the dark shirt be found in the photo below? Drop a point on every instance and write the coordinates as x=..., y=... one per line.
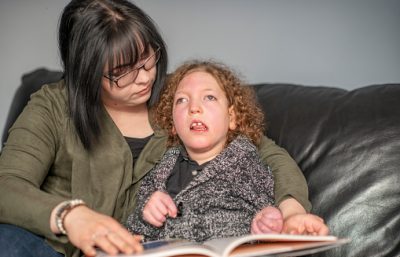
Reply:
x=185, y=169
x=136, y=145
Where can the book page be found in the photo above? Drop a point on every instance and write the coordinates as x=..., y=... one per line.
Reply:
x=169, y=248
x=251, y=245
x=244, y=246
x=285, y=248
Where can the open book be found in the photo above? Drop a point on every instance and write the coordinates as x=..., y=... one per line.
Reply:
x=248, y=245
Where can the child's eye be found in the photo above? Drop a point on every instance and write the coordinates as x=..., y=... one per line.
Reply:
x=180, y=100
x=210, y=98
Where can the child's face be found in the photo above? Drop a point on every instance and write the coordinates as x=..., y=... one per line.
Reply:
x=202, y=116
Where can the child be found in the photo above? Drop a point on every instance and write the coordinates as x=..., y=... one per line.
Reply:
x=211, y=183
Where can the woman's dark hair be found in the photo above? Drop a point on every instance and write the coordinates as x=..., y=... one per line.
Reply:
x=94, y=34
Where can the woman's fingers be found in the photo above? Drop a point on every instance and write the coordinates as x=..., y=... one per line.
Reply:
x=89, y=230
x=88, y=250
x=103, y=242
x=316, y=226
x=307, y=224
x=115, y=241
x=123, y=240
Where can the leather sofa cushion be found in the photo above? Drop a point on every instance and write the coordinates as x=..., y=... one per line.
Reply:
x=348, y=145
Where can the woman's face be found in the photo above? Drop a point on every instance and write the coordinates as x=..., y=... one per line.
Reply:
x=201, y=114
x=131, y=85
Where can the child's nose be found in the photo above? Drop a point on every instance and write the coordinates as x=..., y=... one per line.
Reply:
x=195, y=108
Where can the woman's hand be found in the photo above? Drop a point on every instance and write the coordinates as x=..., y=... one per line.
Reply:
x=158, y=207
x=305, y=224
x=268, y=220
x=87, y=229
x=298, y=221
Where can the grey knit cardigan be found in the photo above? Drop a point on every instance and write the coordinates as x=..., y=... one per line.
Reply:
x=220, y=201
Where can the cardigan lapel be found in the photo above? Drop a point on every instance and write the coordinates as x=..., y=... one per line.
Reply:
x=226, y=161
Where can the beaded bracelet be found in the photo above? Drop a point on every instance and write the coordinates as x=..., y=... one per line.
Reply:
x=64, y=208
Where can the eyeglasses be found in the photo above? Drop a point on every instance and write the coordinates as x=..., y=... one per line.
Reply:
x=130, y=76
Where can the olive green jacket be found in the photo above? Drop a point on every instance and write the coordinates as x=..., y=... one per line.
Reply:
x=44, y=163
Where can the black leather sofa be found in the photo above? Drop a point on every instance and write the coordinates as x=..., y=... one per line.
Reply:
x=348, y=145
x=346, y=142
x=30, y=83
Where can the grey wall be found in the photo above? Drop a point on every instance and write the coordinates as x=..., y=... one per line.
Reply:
x=343, y=43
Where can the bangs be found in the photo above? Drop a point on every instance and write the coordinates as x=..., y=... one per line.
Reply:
x=128, y=46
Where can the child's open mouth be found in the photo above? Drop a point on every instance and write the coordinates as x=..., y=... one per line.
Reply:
x=198, y=126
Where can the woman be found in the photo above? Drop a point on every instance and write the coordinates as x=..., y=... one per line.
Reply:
x=71, y=167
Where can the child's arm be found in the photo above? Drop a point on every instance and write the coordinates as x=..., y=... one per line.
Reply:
x=158, y=208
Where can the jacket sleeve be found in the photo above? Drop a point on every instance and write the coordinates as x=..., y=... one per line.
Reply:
x=289, y=179
x=24, y=165
x=135, y=222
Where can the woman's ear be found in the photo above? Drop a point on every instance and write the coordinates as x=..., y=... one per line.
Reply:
x=232, y=118
x=173, y=130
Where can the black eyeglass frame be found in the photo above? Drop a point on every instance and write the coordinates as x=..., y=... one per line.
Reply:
x=137, y=69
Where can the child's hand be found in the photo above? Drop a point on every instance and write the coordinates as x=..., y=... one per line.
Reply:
x=305, y=224
x=268, y=220
x=159, y=206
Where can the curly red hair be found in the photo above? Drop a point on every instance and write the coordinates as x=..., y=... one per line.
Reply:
x=249, y=116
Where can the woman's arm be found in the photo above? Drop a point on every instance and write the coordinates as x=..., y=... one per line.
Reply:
x=24, y=164
x=27, y=181
x=290, y=207
x=291, y=191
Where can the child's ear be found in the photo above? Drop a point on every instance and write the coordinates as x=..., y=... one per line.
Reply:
x=232, y=118
x=173, y=130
